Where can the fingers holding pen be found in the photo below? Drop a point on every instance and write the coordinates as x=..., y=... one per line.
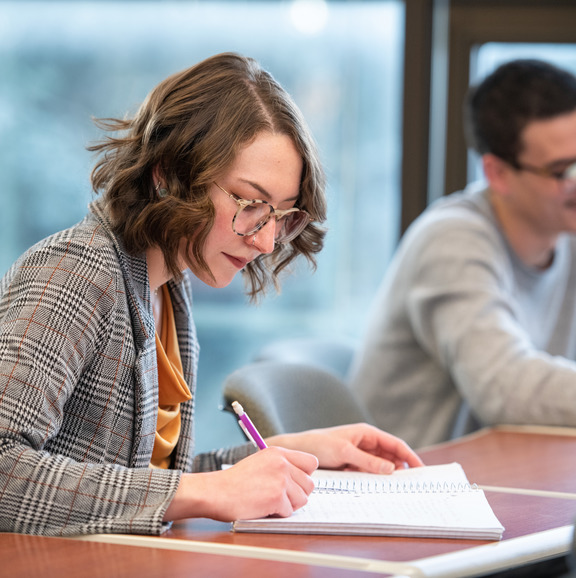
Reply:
x=290, y=475
x=302, y=485
x=274, y=481
x=284, y=480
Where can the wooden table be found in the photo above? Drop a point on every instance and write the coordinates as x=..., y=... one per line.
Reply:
x=532, y=473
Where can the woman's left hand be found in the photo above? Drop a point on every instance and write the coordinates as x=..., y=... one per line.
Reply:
x=358, y=446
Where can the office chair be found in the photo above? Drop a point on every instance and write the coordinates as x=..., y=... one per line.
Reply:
x=284, y=397
x=332, y=354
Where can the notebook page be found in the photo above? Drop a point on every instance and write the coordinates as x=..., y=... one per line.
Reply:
x=428, y=501
x=459, y=510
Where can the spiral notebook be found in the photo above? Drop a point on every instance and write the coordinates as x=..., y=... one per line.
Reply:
x=427, y=502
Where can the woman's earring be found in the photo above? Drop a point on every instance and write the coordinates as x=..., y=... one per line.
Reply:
x=161, y=191
x=254, y=241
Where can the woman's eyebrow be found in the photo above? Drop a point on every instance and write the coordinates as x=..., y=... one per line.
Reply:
x=265, y=193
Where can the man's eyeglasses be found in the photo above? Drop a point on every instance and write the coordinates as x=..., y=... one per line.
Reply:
x=566, y=177
x=251, y=216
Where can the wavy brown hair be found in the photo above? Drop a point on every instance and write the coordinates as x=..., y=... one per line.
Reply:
x=190, y=128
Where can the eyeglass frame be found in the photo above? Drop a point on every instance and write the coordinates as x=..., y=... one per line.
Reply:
x=560, y=176
x=277, y=213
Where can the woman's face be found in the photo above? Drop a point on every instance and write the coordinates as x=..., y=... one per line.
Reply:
x=270, y=169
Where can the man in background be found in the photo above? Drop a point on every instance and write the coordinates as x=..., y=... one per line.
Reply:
x=475, y=322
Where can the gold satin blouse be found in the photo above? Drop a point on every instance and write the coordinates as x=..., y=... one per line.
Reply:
x=173, y=389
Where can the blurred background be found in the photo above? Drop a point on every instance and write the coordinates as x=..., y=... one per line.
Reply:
x=380, y=82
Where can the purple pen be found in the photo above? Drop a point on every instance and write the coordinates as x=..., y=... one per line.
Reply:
x=248, y=427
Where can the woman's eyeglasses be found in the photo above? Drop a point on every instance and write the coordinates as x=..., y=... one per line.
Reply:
x=251, y=216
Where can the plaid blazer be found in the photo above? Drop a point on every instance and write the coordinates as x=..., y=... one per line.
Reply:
x=79, y=389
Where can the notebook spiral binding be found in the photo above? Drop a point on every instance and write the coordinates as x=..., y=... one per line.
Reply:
x=334, y=486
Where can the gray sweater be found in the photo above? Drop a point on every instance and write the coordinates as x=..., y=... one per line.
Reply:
x=460, y=318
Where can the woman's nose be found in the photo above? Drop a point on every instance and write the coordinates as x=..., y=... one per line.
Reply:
x=264, y=240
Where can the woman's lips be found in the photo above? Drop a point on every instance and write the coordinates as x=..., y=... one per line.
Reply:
x=238, y=262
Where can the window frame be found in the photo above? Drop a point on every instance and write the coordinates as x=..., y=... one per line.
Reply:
x=441, y=36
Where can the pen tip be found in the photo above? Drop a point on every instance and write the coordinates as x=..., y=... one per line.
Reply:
x=237, y=407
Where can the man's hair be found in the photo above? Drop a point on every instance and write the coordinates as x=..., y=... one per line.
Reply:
x=191, y=128
x=518, y=92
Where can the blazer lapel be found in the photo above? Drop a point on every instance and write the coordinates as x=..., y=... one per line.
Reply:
x=181, y=294
x=135, y=273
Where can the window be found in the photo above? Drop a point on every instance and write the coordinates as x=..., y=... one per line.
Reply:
x=65, y=62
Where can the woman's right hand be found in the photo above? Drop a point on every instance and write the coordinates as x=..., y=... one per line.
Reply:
x=274, y=481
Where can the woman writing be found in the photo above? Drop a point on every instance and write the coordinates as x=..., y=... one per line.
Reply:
x=215, y=174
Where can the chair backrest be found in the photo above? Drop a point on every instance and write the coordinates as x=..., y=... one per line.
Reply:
x=284, y=397
x=332, y=354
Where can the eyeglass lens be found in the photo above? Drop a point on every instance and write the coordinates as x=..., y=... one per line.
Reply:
x=570, y=172
x=569, y=178
x=253, y=217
